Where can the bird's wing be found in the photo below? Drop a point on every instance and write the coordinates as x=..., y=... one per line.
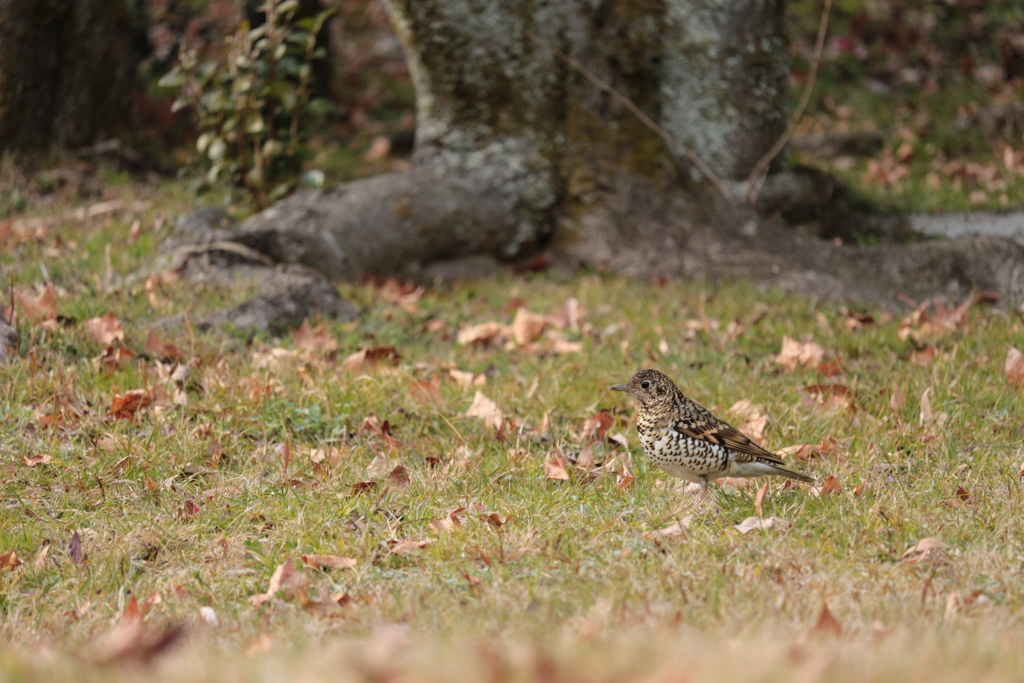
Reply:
x=713, y=430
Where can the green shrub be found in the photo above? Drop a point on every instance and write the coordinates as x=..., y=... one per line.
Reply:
x=253, y=106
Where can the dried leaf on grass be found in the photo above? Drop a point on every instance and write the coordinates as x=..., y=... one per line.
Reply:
x=467, y=379
x=164, y=351
x=796, y=354
x=920, y=324
x=285, y=578
x=104, y=330
x=487, y=410
x=131, y=640
x=10, y=560
x=404, y=548
x=930, y=418
x=923, y=550
x=328, y=561
x=830, y=396
x=482, y=334
x=382, y=355
x=555, y=467
x=764, y=524
x=527, y=326
x=125, y=406
x=808, y=452
x=827, y=624
x=398, y=478
x=38, y=309
x=1013, y=367
x=596, y=427
x=751, y=417
x=677, y=528
x=112, y=358
x=315, y=340
x=449, y=522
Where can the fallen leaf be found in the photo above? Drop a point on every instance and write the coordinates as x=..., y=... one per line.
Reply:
x=751, y=417
x=596, y=427
x=928, y=417
x=561, y=346
x=555, y=467
x=923, y=549
x=808, y=451
x=831, y=396
x=402, y=292
x=10, y=560
x=33, y=460
x=104, y=330
x=482, y=333
x=855, y=321
x=168, y=353
x=795, y=353
x=124, y=406
x=831, y=485
x=44, y=552
x=286, y=578
x=369, y=356
x=329, y=561
x=827, y=624
x=39, y=310
x=316, y=340
x=403, y=548
x=527, y=326
x=898, y=399
x=487, y=410
x=751, y=523
x=944, y=320
x=585, y=460
x=495, y=520
x=924, y=356
x=1014, y=367
x=468, y=379
x=379, y=466
x=449, y=522
x=399, y=477
x=112, y=357
x=75, y=549
x=427, y=390
x=679, y=527
x=130, y=640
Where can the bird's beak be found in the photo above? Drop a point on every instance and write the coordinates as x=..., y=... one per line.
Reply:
x=620, y=387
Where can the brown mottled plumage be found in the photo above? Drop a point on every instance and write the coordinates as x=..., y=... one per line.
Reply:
x=681, y=437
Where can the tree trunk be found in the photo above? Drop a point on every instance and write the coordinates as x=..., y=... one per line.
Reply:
x=516, y=151
x=509, y=136
x=67, y=72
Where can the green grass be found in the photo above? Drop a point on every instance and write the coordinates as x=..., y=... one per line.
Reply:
x=571, y=586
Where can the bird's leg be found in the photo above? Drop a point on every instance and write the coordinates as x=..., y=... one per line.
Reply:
x=703, y=486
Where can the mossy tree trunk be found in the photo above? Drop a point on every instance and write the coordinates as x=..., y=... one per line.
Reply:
x=67, y=72
x=509, y=136
x=518, y=151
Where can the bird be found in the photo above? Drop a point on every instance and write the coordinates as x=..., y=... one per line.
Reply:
x=685, y=440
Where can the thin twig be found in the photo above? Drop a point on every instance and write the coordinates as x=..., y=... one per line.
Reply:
x=760, y=171
x=669, y=139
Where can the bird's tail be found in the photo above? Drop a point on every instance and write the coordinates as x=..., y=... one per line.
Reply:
x=782, y=471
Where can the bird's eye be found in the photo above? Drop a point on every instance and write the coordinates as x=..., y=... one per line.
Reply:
x=646, y=384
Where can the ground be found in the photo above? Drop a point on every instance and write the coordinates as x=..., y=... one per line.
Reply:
x=444, y=488
x=471, y=546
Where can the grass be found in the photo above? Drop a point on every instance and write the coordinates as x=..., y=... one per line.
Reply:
x=195, y=503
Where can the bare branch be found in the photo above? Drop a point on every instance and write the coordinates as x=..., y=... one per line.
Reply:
x=760, y=171
x=669, y=139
